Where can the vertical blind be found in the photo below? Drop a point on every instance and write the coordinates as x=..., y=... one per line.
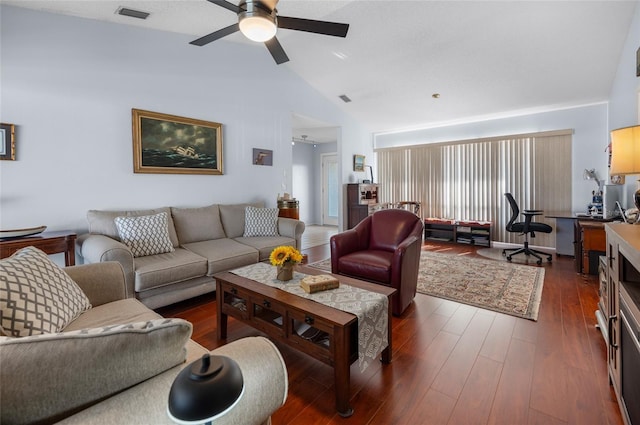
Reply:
x=467, y=180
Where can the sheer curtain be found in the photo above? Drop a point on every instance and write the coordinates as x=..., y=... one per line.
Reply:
x=467, y=180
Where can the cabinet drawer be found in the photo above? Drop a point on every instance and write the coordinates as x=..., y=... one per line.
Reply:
x=311, y=335
x=235, y=302
x=268, y=315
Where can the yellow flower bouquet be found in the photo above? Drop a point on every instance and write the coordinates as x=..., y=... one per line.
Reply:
x=284, y=258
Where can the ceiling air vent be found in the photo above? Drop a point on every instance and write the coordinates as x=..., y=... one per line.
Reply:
x=132, y=13
x=345, y=98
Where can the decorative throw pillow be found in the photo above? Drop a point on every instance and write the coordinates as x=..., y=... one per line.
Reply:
x=37, y=296
x=260, y=222
x=145, y=234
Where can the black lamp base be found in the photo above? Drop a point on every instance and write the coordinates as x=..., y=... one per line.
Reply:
x=636, y=200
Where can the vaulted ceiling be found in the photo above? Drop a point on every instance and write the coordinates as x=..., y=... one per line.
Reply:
x=482, y=58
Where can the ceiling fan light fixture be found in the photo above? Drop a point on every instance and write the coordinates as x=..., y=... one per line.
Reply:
x=258, y=24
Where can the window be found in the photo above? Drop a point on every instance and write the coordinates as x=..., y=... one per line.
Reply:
x=467, y=180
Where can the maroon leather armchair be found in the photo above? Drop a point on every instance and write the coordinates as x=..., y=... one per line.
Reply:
x=383, y=248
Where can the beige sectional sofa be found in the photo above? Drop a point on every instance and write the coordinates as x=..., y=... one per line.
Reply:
x=205, y=240
x=115, y=359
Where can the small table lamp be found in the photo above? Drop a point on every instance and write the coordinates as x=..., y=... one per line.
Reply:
x=625, y=154
x=205, y=390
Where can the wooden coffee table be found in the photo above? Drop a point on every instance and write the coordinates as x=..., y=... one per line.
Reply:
x=330, y=335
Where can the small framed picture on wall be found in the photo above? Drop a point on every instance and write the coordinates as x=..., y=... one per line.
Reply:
x=7, y=142
x=262, y=156
x=358, y=162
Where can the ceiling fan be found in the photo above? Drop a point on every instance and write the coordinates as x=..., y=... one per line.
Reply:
x=258, y=20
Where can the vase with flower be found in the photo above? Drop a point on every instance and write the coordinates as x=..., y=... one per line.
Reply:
x=284, y=258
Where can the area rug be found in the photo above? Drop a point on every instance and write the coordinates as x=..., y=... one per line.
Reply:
x=512, y=289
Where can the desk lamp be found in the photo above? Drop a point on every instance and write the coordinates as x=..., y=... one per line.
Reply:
x=205, y=390
x=625, y=155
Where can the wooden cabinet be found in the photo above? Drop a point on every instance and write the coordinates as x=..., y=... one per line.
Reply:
x=590, y=244
x=623, y=324
x=360, y=200
x=611, y=305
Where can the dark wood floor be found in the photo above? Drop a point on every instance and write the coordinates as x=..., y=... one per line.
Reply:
x=456, y=364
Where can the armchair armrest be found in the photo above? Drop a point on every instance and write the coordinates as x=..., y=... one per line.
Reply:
x=342, y=244
x=102, y=282
x=100, y=248
x=291, y=228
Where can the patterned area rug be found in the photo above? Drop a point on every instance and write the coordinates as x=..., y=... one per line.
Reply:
x=512, y=289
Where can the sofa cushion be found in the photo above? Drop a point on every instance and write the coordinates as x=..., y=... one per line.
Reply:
x=224, y=254
x=60, y=373
x=37, y=296
x=102, y=222
x=145, y=234
x=260, y=221
x=153, y=271
x=197, y=224
x=232, y=217
x=266, y=244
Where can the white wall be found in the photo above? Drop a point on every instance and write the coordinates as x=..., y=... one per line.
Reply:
x=69, y=84
x=625, y=93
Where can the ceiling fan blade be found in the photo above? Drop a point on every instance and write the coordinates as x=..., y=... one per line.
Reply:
x=309, y=25
x=216, y=35
x=276, y=51
x=230, y=6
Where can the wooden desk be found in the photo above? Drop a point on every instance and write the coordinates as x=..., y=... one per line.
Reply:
x=49, y=242
x=567, y=233
x=591, y=242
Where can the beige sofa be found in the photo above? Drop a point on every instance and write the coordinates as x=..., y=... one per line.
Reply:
x=115, y=362
x=205, y=240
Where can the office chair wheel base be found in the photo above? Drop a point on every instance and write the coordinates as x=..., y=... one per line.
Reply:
x=508, y=258
x=539, y=262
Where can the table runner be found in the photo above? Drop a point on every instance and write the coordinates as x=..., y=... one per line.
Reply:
x=371, y=308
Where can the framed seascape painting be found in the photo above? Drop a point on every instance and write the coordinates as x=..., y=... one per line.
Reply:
x=168, y=144
x=7, y=142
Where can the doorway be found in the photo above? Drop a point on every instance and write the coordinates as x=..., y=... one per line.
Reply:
x=330, y=190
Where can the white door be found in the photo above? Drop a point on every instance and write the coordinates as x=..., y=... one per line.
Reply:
x=330, y=189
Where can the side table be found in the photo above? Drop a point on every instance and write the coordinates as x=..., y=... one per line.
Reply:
x=49, y=242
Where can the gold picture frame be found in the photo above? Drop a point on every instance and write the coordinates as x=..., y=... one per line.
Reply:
x=169, y=144
x=358, y=162
x=7, y=142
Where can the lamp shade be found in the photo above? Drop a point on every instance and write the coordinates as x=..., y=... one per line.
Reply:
x=257, y=23
x=205, y=390
x=625, y=151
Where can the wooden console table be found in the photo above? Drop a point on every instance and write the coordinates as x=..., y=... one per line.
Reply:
x=49, y=242
x=278, y=313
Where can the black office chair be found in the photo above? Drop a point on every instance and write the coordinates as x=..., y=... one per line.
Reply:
x=526, y=228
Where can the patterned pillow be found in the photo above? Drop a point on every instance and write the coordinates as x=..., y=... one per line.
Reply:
x=145, y=234
x=260, y=222
x=37, y=296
